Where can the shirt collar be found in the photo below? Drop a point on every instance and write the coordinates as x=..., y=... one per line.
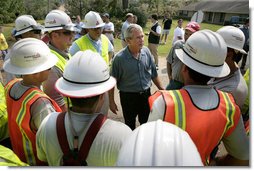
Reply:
x=94, y=41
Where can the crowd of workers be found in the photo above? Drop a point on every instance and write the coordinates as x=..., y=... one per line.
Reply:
x=60, y=87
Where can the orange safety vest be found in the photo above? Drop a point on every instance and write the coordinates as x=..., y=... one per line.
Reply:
x=21, y=135
x=205, y=127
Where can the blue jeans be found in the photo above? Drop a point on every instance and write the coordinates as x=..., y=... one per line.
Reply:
x=174, y=85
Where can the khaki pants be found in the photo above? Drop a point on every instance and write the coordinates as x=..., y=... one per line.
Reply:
x=154, y=51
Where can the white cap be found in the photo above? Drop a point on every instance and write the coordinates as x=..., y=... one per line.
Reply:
x=205, y=52
x=93, y=20
x=29, y=56
x=233, y=37
x=57, y=20
x=86, y=74
x=159, y=143
x=26, y=23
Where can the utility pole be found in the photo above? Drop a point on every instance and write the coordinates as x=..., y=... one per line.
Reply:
x=48, y=5
x=80, y=8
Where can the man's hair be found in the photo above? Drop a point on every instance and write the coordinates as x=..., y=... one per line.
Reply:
x=90, y=101
x=129, y=30
x=198, y=77
x=180, y=20
x=246, y=20
x=155, y=16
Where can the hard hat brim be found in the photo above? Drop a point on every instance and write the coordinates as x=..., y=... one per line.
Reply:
x=238, y=49
x=83, y=90
x=211, y=71
x=70, y=27
x=89, y=27
x=39, y=27
x=9, y=67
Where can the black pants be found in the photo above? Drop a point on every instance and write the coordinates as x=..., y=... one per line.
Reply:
x=133, y=105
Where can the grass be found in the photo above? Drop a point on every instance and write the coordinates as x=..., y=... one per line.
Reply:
x=163, y=50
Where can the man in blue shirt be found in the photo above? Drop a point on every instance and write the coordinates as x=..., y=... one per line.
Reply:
x=134, y=69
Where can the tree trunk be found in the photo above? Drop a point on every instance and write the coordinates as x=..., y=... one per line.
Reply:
x=125, y=4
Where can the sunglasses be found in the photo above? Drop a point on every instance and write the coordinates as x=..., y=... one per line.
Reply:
x=66, y=33
x=36, y=31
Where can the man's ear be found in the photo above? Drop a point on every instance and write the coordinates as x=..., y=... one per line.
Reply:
x=127, y=40
x=184, y=68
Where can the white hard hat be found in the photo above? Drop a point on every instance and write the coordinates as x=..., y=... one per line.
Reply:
x=86, y=74
x=159, y=143
x=26, y=23
x=92, y=20
x=57, y=20
x=205, y=52
x=29, y=56
x=233, y=37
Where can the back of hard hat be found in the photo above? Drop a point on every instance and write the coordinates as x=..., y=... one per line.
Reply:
x=205, y=52
x=29, y=56
x=86, y=74
x=233, y=37
x=25, y=23
x=57, y=20
x=93, y=20
x=159, y=143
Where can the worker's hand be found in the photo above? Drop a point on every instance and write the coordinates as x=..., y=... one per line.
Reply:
x=113, y=107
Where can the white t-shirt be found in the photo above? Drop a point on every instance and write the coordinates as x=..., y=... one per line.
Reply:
x=103, y=151
x=178, y=32
x=109, y=26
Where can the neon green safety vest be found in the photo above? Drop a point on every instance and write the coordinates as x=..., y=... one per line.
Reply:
x=246, y=103
x=4, y=133
x=9, y=158
x=61, y=65
x=84, y=43
x=61, y=60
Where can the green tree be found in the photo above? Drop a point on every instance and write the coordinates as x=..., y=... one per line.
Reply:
x=8, y=10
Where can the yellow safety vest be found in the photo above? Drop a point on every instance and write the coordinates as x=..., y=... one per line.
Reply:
x=3, y=43
x=9, y=158
x=61, y=60
x=246, y=103
x=61, y=65
x=4, y=131
x=84, y=43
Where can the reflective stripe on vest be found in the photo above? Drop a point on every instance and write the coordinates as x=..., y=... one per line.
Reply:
x=84, y=43
x=229, y=112
x=61, y=60
x=19, y=117
x=182, y=112
x=247, y=127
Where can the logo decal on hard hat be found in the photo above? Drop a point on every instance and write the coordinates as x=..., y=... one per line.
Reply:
x=37, y=55
x=193, y=50
x=237, y=38
x=97, y=23
x=52, y=22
